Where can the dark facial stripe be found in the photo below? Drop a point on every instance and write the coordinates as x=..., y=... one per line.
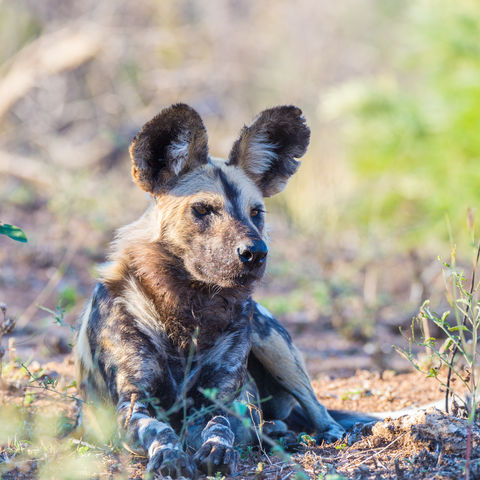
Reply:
x=233, y=194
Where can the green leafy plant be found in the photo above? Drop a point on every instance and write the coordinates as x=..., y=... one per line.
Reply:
x=460, y=335
x=13, y=232
x=456, y=351
x=59, y=313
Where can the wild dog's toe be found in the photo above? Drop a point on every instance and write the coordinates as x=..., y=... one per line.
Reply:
x=277, y=430
x=214, y=457
x=172, y=462
x=333, y=433
x=203, y=452
x=177, y=464
x=288, y=440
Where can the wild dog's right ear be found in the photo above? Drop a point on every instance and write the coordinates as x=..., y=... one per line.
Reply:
x=170, y=144
x=267, y=149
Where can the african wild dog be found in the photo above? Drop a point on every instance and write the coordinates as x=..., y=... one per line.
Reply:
x=173, y=315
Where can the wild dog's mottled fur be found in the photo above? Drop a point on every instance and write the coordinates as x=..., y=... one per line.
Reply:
x=173, y=316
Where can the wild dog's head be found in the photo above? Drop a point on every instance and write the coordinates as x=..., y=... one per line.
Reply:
x=209, y=213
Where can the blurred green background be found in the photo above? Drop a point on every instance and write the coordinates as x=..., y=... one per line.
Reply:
x=390, y=89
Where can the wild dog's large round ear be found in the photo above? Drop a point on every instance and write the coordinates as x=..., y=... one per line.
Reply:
x=169, y=145
x=267, y=148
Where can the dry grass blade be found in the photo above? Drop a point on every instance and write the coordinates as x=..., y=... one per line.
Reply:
x=133, y=399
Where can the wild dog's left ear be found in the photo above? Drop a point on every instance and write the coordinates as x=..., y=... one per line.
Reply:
x=267, y=149
x=170, y=144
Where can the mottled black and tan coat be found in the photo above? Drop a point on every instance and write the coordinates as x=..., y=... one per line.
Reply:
x=172, y=315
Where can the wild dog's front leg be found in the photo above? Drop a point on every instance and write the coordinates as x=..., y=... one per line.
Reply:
x=272, y=346
x=165, y=453
x=137, y=379
x=214, y=438
x=223, y=369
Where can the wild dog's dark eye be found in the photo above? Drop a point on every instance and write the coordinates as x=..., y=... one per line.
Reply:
x=255, y=212
x=201, y=209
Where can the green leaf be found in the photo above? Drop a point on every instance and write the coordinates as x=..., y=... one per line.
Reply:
x=446, y=345
x=459, y=327
x=13, y=232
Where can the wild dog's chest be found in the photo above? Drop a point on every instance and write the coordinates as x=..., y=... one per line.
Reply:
x=224, y=363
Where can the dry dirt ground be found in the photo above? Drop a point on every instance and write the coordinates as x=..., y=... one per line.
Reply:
x=425, y=444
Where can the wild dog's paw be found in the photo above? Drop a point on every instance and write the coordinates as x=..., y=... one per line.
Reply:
x=173, y=462
x=277, y=430
x=333, y=433
x=215, y=457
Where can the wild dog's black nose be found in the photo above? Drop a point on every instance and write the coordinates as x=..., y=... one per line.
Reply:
x=254, y=254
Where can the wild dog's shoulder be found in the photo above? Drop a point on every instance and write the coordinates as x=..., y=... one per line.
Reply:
x=127, y=316
x=114, y=336
x=100, y=303
x=101, y=308
x=97, y=308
